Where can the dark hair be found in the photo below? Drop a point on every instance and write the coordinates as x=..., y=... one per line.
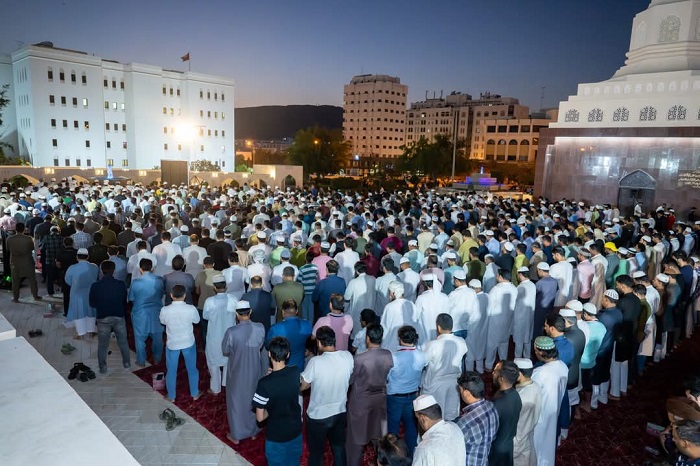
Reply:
x=510, y=372
x=368, y=316
x=233, y=257
x=639, y=289
x=289, y=304
x=556, y=321
x=146, y=264
x=391, y=451
x=625, y=280
x=332, y=266
x=505, y=274
x=97, y=237
x=360, y=267
x=108, y=267
x=178, y=262
x=279, y=349
x=434, y=412
x=444, y=321
x=256, y=280
x=689, y=431
x=473, y=383
x=178, y=292
x=288, y=271
x=326, y=336
x=408, y=334
x=337, y=302
x=19, y=228
x=208, y=260
x=375, y=333
x=165, y=235
x=558, y=250
x=549, y=353
x=112, y=250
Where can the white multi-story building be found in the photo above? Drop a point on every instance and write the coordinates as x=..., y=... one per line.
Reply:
x=427, y=119
x=511, y=139
x=79, y=110
x=374, y=115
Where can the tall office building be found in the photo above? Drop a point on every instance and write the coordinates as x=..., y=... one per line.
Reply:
x=374, y=116
x=79, y=110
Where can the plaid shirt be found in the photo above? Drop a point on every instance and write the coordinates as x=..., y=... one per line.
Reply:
x=50, y=247
x=82, y=240
x=479, y=423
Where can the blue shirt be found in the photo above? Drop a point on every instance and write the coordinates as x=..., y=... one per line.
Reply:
x=332, y=284
x=404, y=376
x=479, y=424
x=566, y=351
x=108, y=297
x=297, y=331
x=146, y=293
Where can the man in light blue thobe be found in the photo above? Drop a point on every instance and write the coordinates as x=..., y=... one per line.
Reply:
x=80, y=277
x=146, y=295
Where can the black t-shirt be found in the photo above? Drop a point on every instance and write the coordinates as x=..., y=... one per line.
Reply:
x=278, y=393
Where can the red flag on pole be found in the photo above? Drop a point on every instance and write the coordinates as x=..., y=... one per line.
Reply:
x=186, y=57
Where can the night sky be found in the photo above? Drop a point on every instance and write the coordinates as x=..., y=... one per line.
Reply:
x=303, y=51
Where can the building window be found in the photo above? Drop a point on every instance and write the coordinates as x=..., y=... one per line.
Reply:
x=50, y=75
x=513, y=129
x=85, y=103
x=73, y=78
x=52, y=99
x=216, y=115
x=62, y=76
x=109, y=144
x=83, y=79
x=87, y=144
x=165, y=89
x=105, y=82
x=177, y=92
x=571, y=116
x=125, y=163
x=106, y=105
x=65, y=123
x=223, y=115
x=201, y=94
x=208, y=113
x=165, y=146
x=223, y=133
x=677, y=112
x=53, y=122
x=165, y=111
x=124, y=145
x=647, y=114
x=75, y=101
x=595, y=115
x=63, y=100
x=209, y=132
x=110, y=162
x=525, y=129
x=172, y=111
x=54, y=142
x=216, y=96
x=179, y=147
x=67, y=162
x=201, y=148
x=165, y=130
x=114, y=83
x=222, y=97
x=75, y=124
x=55, y=162
x=114, y=105
x=106, y=126
x=208, y=95
x=121, y=84
x=123, y=126
x=171, y=91
x=86, y=125
x=88, y=163
x=216, y=133
x=115, y=127
x=122, y=106
x=621, y=114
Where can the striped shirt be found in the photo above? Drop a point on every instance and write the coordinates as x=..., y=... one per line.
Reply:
x=307, y=277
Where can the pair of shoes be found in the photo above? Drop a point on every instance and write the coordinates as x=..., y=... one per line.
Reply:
x=81, y=372
x=67, y=349
x=35, y=333
x=171, y=420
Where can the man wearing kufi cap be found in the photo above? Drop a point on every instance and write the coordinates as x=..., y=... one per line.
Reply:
x=610, y=316
x=220, y=313
x=146, y=295
x=545, y=294
x=442, y=442
x=551, y=377
x=242, y=344
x=450, y=267
x=500, y=313
x=430, y=304
x=523, y=318
x=596, y=333
x=415, y=256
x=80, y=277
x=531, y=397
x=577, y=338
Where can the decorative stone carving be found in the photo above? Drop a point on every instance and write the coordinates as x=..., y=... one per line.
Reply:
x=571, y=116
x=647, y=114
x=638, y=179
x=621, y=114
x=595, y=115
x=677, y=112
x=670, y=29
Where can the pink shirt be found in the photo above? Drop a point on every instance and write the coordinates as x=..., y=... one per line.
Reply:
x=320, y=262
x=586, y=270
x=341, y=325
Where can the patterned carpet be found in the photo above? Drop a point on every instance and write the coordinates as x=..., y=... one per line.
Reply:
x=613, y=435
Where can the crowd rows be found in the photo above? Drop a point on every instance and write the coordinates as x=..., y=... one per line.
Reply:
x=392, y=308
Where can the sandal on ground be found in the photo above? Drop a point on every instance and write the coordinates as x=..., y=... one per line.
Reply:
x=67, y=349
x=89, y=373
x=83, y=377
x=32, y=333
x=73, y=373
x=38, y=332
x=166, y=414
x=173, y=422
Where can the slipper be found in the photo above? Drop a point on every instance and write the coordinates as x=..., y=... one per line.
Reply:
x=166, y=414
x=38, y=332
x=67, y=349
x=89, y=373
x=32, y=334
x=81, y=366
x=83, y=377
x=73, y=373
x=173, y=422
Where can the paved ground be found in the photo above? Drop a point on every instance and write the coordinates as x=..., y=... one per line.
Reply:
x=129, y=407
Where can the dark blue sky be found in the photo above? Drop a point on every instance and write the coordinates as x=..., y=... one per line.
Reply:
x=304, y=51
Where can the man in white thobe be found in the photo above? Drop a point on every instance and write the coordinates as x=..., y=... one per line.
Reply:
x=463, y=305
x=489, y=279
x=429, y=304
x=346, y=261
x=531, y=398
x=444, y=358
x=478, y=329
x=410, y=279
x=500, y=318
x=194, y=255
x=165, y=252
x=220, y=312
x=359, y=295
x=563, y=272
x=443, y=441
x=524, y=313
x=551, y=378
x=397, y=313
x=236, y=276
x=132, y=266
x=381, y=286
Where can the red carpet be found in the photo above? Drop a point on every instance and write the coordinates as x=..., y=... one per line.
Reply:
x=613, y=435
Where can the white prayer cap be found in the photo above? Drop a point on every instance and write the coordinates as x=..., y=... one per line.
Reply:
x=580, y=203
x=138, y=230
x=623, y=251
x=280, y=239
x=413, y=242
x=433, y=246
x=325, y=245
x=184, y=228
x=646, y=239
x=242, y=305
x=612, y=294
x=488, y=233
x=638, y=274
x=523, y=363
x=404, y=260
x=317, y=215
x=616, y=220
x=574, y=305
x=234, y=218
x=218, y=279
x=523, y=270
x=474, y=283
x=521, y=221
x=543, y=266
x=663, y=278
x=571, y=260
x=261, y=234
x=429, y=277
x=450, y=255
x=508, y=246
x=589, y=308
x=285, y=254
x=564, y=312
x=423, y=402
x=459, y=275
x=83, y=252
x=397, y=288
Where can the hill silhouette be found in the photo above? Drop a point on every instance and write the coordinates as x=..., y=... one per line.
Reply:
x=281, y=121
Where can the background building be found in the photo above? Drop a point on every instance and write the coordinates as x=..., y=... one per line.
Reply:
x=511, y=139
x=435, y=116
x=79, y=110
x=635, y=137
x=374, y=119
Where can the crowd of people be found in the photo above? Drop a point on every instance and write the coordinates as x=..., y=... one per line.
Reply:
x=392, y=308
